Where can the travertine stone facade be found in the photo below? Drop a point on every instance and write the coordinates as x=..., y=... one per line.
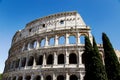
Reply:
x=49, y=48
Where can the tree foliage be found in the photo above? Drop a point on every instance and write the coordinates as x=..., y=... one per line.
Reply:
x=93, y=63
x=0, y=76
x=111, y=61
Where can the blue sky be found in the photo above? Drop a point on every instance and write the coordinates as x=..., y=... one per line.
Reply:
x=100, y=15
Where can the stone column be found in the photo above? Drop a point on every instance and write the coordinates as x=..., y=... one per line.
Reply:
x=34, y=63
x=78, y=38
x=16, y=77
x=28, y=47
x=66, y=39
x=44, y=59
x=54, y=77
x=55, y=58
x=67, y=76
x=42, y=78
x=56, y=40
x=23, y=77
x=23, y=48
x=81, y=76
x=26, y=62
x=90, y=37
x=32, y=77
x=46, y=41
x=67, y=57
x=80, y=57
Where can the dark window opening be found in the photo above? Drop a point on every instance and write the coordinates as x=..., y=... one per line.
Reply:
x=17, y=63
x=30, y=30
x=28, y=77
x=73, y=77
x=50, y=59
x=48, y=77
x=60, y=77
x=61, y=59
x=23, y=62
x=30, y=62
x=62, y=22
x=43, y=25
x=14, y=78
x=72, y=58
x=40, y=60
x=20, y=78
x=37, y=78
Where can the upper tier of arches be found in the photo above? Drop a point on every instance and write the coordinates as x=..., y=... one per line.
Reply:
x=60, y=21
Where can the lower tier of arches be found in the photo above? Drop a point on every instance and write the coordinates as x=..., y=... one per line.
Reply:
x=46, y=75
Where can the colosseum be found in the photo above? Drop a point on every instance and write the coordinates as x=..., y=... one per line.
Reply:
x=49, y=48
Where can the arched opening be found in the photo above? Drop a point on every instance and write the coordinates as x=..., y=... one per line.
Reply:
x=61, y=40
x=30, y=61
x=40, y=60
x=37, y=77
x=61, y=59
x=60, y=77
x=72, y=40
x=14, y=78
x=48, y=77
x=23, y=62
x=50, y=59
x=9, y=78
x=52, y=41
x=33, y=44
x=28, y=77
x=73, y=77
x=72, y=58
x=82, y=39
x=26, y=46
x=20, y=78
x=17, y=63
x=42, y=43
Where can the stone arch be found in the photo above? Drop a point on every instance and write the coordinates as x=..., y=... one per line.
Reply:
x=39, y=60
x=26, y=46
x=28, y=77
x=17, y=63
x=82, y=39
x=72, y=39
x=48, y=77
x=51, y=41
x=42, y=42
x=30, y=61
x=14, y=78
x=61, y=59
x=72, y=58
x=20, y=78
x=61, y=40
x=50, y=59
x=37, y=77
x=60, y=77
x=33, y=44
x=9, y=78
x=23, y=62
x=73, y=77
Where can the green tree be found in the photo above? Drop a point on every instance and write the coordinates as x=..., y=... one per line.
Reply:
x=97, y=64
x=93, y=63
x=111, y=61
x=0, y=76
